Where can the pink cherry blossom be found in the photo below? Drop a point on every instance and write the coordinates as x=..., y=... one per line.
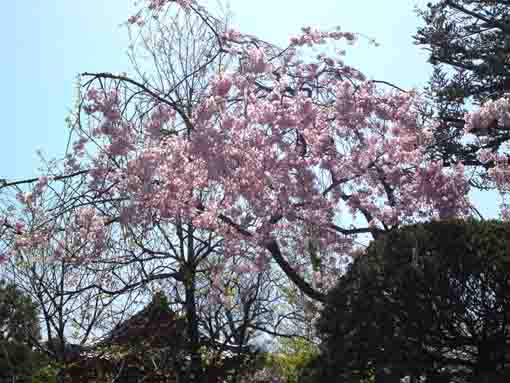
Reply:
x=274, y=148
x=493, y=115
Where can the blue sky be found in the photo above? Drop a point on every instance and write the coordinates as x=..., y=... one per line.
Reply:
x=47, y=42
x=52, y=41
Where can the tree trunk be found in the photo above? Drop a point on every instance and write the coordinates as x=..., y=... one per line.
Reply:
x=194, y=373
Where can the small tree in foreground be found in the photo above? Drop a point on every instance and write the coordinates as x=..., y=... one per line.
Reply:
x=430, y=300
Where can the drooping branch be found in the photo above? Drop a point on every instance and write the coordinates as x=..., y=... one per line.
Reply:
x=272, y=246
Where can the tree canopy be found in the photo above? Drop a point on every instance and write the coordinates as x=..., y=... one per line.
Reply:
x=426, y=300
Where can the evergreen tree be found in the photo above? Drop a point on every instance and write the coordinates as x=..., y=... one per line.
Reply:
x=469, y=45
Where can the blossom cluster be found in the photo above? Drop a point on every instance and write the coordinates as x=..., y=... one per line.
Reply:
x=495, y=116
x=311, y=37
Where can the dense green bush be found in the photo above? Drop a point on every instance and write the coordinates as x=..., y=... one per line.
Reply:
x=427, y=300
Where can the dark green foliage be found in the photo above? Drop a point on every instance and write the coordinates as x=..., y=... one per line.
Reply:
x=472, y=37
x=18, y=329
x=427, y=300
x=469, y=45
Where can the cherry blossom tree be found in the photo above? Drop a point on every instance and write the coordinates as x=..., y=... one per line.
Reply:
x=277, y=152
x=272, y=150
x=480, y=125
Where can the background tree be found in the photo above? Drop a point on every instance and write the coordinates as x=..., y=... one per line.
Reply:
x=19, y=330
x=469, y=45
x=426, y=300
x=290, y=360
